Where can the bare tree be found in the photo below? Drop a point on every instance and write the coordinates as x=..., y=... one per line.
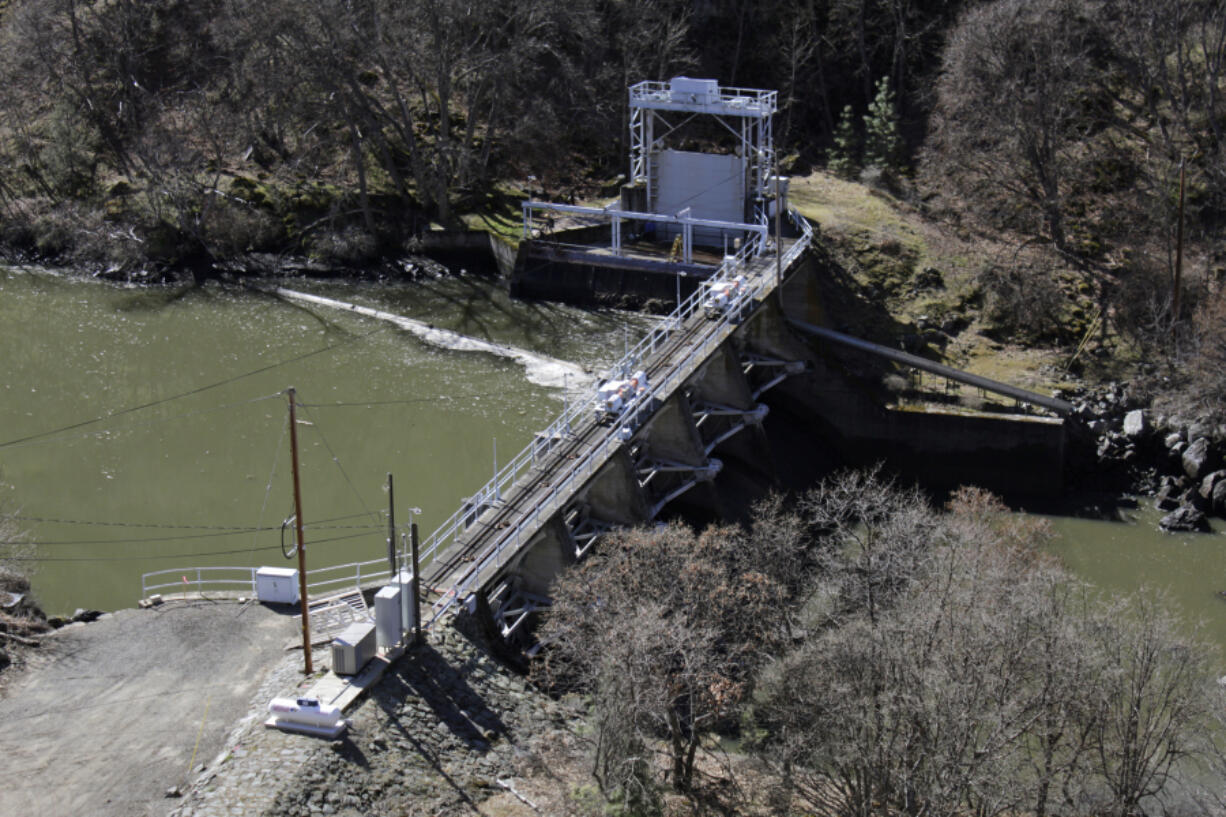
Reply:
x=916, y=701
x=665, y=629
x=876, y=536
x=1014, y=101
x=990, y=682
x=1153, y=700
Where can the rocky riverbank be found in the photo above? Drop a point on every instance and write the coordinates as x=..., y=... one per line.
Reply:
x=1179, y=462
x=443, y=727
x=446, y=724
x=22, y=621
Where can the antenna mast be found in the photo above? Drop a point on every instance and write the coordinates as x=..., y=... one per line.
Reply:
x=302, y=582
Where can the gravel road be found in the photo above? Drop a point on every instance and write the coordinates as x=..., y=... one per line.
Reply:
x=106, y=716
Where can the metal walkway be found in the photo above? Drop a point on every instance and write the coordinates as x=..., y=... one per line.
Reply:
x=467, y=552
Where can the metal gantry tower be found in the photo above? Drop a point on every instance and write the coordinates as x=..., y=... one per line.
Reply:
x=659, y=109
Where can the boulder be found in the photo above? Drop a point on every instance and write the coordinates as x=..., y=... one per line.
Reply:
x=1219, y=497
x=1199, y=429
x=1210, y=480
x=1171, y=440
x=1192, y=498
x=1136, y=423
x=1196, y=458
x=1184, y=519
x=1167, y=497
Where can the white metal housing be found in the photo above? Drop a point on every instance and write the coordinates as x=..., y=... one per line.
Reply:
x=388, y=616
x=710, y=185
x=277, y=585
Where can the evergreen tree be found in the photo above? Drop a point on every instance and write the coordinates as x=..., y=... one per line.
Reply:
x=883, y=147
x=841, y=159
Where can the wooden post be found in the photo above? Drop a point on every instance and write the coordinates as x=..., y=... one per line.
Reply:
x=416, y=585
x=302, y=582
x=391, y=527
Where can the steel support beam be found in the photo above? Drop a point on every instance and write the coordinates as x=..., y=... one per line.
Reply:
x=1060, y=407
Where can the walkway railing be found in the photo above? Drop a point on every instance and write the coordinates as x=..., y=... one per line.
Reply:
x=199, y=580
x=205, y=580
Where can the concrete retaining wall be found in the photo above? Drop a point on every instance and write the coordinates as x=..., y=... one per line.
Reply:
x=448, y=244
x=553, y=272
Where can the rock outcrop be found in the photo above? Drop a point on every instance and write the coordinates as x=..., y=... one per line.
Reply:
x=1129, y=448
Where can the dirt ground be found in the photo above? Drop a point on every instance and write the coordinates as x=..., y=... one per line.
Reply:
x=105, y=717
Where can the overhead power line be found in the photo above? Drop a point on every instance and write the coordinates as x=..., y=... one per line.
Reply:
x=24, y=558
x=188, y=393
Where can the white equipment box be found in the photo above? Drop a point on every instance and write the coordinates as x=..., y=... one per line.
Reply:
x=388, y=616
x=698, y=91
x=276, y=585
x=353, y=648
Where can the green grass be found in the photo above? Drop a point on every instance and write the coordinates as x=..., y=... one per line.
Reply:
x=848, y=208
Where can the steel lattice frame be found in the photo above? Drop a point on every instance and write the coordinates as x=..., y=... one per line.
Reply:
x=755, y=108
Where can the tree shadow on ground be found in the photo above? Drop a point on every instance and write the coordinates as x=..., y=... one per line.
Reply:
x=426, y=675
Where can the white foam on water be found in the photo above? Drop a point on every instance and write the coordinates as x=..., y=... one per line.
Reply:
x=541, y=369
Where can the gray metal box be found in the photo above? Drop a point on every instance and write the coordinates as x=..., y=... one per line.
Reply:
x=698, y=91
x=388, y=616
x=276, y=585
x=353, y=648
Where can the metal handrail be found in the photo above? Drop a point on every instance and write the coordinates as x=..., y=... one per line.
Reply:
x=235, y=583
x=647, y=89
x=369, y=571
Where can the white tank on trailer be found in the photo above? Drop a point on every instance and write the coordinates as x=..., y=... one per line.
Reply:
x=306, y=715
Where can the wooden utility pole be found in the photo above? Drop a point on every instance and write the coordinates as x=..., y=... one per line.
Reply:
x=302, y=582
x=1178, y=254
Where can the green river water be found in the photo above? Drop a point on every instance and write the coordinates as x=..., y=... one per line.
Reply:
x=158, y=487
x=166, y=486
